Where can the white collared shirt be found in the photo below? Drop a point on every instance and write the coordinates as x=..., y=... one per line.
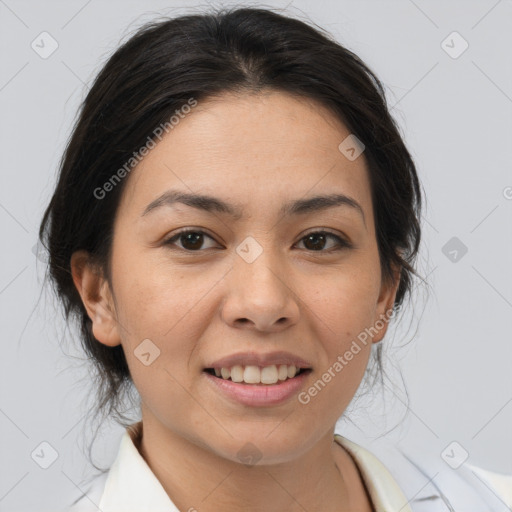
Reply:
x=394, y=482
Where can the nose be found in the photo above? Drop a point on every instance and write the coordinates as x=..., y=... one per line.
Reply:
x=259, y=296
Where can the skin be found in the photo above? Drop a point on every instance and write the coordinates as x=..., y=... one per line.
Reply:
x=257, y=151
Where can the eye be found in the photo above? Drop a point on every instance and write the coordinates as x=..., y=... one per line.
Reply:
x=315, y=241
x=192, y=240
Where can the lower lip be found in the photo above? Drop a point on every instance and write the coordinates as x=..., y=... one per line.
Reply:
x=259, y=395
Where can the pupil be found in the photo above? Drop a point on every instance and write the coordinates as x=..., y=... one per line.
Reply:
x=314, y=236
x=193, y=238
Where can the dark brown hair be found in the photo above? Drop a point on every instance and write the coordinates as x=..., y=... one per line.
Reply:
x=155, y=73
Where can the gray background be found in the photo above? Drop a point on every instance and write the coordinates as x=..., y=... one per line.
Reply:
x=455, y=114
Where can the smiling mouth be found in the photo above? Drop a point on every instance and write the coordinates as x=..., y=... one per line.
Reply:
x=258, y=375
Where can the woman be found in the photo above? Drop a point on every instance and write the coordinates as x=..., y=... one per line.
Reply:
x=235, y=223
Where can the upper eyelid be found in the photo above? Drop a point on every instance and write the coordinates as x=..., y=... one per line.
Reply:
x=184, y=231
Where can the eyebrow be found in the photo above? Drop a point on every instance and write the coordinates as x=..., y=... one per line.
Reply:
x=213, y=204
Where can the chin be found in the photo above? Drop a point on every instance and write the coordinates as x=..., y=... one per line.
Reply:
x=261, y=446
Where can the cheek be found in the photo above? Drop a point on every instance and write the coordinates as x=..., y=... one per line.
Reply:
x=160, y=329
x=342, y=314
x=342, y=310
x=154, y=297
x=163, y=312
x=344, y=302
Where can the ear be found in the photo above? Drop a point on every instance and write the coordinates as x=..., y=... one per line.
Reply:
x=385, y=304
x=96, y=296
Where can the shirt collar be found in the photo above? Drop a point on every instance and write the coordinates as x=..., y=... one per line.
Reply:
x=132, y=486
x=432, y=484
x=383, y=489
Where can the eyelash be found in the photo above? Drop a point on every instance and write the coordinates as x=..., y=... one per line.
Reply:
x=342, y=243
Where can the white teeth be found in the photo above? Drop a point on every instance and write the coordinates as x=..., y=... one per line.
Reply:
x=252, y=374
x=269, y=374
x=237, y=373
x=283, y=372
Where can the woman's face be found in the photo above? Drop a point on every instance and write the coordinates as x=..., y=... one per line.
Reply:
x=255, y=283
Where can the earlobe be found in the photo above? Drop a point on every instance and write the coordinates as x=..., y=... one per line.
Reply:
x=96, y=296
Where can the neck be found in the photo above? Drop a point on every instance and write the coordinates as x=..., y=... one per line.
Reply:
x=196, y=478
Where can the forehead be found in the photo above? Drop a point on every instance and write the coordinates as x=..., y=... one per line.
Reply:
x=248, y=149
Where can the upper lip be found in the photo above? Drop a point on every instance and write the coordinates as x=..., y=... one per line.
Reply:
x=255, y=359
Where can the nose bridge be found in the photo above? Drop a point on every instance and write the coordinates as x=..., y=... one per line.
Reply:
x=257, y=262
x=258, y=290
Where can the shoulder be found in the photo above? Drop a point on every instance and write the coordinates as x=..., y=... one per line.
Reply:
x=500, y=483
x=426, y=482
